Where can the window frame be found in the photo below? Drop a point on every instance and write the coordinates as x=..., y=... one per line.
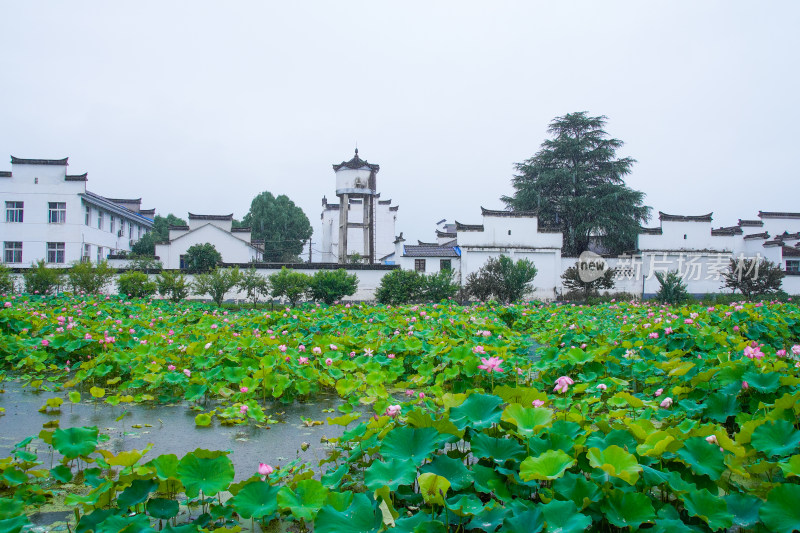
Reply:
x=88, y=218
x=59, y=251
x=100, y=221
x=12, y=250
x=795, y=265
x=445, y=264
x=57, y=214
x=419, y=265
x=15, y=213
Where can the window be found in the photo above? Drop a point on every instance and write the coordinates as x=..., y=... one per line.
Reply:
x=12, y=252
x=138, y=232
x=14, y=211
x=509, y=232
x=99, y=219
x=57, y=212
x=55, y=252
x=88, y=215
x=112, y=224
x=130, y=230
x=444, y=264
x=99, y=253
x=793, y=265
x=87, y=253
x=419, y=265
x=182, y=265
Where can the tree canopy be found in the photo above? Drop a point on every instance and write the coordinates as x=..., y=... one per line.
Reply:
x=575, y=184
x=160, y=233
x=283, y=226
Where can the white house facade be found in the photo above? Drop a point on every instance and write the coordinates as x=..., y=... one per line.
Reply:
x=234, y=244
x=50, y=215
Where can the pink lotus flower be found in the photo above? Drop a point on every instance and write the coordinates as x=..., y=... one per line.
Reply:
x=653, y=335
x=658, y=393
x=781, y=353
x=688, y=321
x=214, y=326
x=187, y=372
x=796, y=349
x=45, y=342
x=666, y=402
x=316, y=350
x=537, y=403
x=735, y=328
x=667, y=331
x=602, y=386
x=745, y=385
x=712, y=439
x=264, y=469
x=390, y=356
x=243, y=389
x=329, y=361
x=303, y=360
x=563, y=383
x=421, y=395
x=479, y=349
x=409, y=392
x=208, y=345
x=393, y=410
x=301, y=348
x=333, y=347
x=243, y=409
x=491, y=364
x=282, y=348
x=171, y=367
x=368, y=352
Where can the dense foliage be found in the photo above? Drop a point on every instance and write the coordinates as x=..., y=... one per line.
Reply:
x=202, y=257
x=6, y=280
x=217, y=283
x=90, y=277
x=282, y=225
x=575, y=184
x=41, y=279
x=329, y=286
x=628, y=416
x=571, y=279
x=146, y=246
x=502, y=279
x=136, y=284
x=671, y=288
x=289, y=284
x=753, y=277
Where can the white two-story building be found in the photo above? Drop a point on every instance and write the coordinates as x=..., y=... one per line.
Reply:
x=49, y=215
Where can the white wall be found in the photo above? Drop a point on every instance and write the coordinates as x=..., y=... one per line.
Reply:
x=232, y=249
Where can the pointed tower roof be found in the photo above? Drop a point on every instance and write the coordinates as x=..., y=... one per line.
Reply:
x=356, y=163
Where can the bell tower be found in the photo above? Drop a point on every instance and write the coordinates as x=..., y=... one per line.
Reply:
x=356, y=183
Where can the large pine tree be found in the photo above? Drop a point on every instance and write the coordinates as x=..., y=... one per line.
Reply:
x=575, y=184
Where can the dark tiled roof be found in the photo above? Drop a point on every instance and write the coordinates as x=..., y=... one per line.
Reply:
x=77, y=177
x=356, y=163
x=394, y=208
x=192, y=216
x=763, y=235
x=791, y=251
x=777, y=214
x=729, y=230
x=773, y=242
x=125, y=200
x=468, y=227
x=384, y=202
x=21, y=161
x=5, y=173
x=753, y=223
x=179, y=228
x=147, y=211
x=429, y=251
x=446, y=234
x=650, y=231
x=493, y=213
x=790, y=236
x=245, y=229
x=684, y=218
x=427, y=243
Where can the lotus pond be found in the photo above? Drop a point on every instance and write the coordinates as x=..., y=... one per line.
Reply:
x=626, y=417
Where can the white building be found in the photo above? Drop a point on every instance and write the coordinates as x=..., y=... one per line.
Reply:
x=234, y=244
x=50, y=215
x=361, y=219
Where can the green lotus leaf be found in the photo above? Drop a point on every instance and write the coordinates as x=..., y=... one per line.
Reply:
x=14, y=476
x=528, y=420
x=550, y=465
x=709, y=508
x=655, y=444
x=628, y=509
x=625, y=398
x=256, y=499
x=719, y=406
x=162, y=508
x=501, y=450
x=433, y=488
x=392, y=474
x=776, y=438
x=200, y=471
x=615, y=462
x=763, y=382
x=791, y=468
x=618, y=437
x=123, y=524
x=489, y=519
x=332, y=478
x=305, y=500
x=577, y=356
x=61, y=473
x=203, y=419
x=702, y=457
x=14, y=524
x=564, y=517
x=97, y=392
x=453, y=469
x=577, y=488
x=166, y=466
x=524, y=520
x=75, y=442
x=410, y=524
x=465, y=504
x=479, y=411
x=136, y=493
x=781, y=512
x=362, y=516
x=488, y=481
x=743, y=508
x=410, y=443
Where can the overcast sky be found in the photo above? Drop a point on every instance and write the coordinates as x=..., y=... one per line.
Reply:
x=199, y=106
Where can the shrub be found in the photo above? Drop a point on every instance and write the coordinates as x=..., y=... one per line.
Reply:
x=673, y=289
x=90, y=278
x=136, y=285
x=172, y=285
x=6, y=281
x=253, y=284
x=502, y=278
x=42, y=280
x=143, y=262
x=571, y=279
x=440, y=286
x=202, y=257
x=752, y=277
x=289, y=284
x=216, y=283
x=400, y=287
x=331, y=285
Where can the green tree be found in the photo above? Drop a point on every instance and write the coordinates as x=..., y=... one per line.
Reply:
x=289, y=284
x=6, y=280
x=503, y=278
x=146, y=246
x=253, y=284
x=39, y=279
x=283, y=226
x=440, y=286
x=400, y=287
x=753, y=277
x=172, y=285
x=136, y=285
x=89, y=278
x=575, y=184
x=202, y=257
x=672, y=289
x=216, y=283
x=331, y=285
x=571, y=279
